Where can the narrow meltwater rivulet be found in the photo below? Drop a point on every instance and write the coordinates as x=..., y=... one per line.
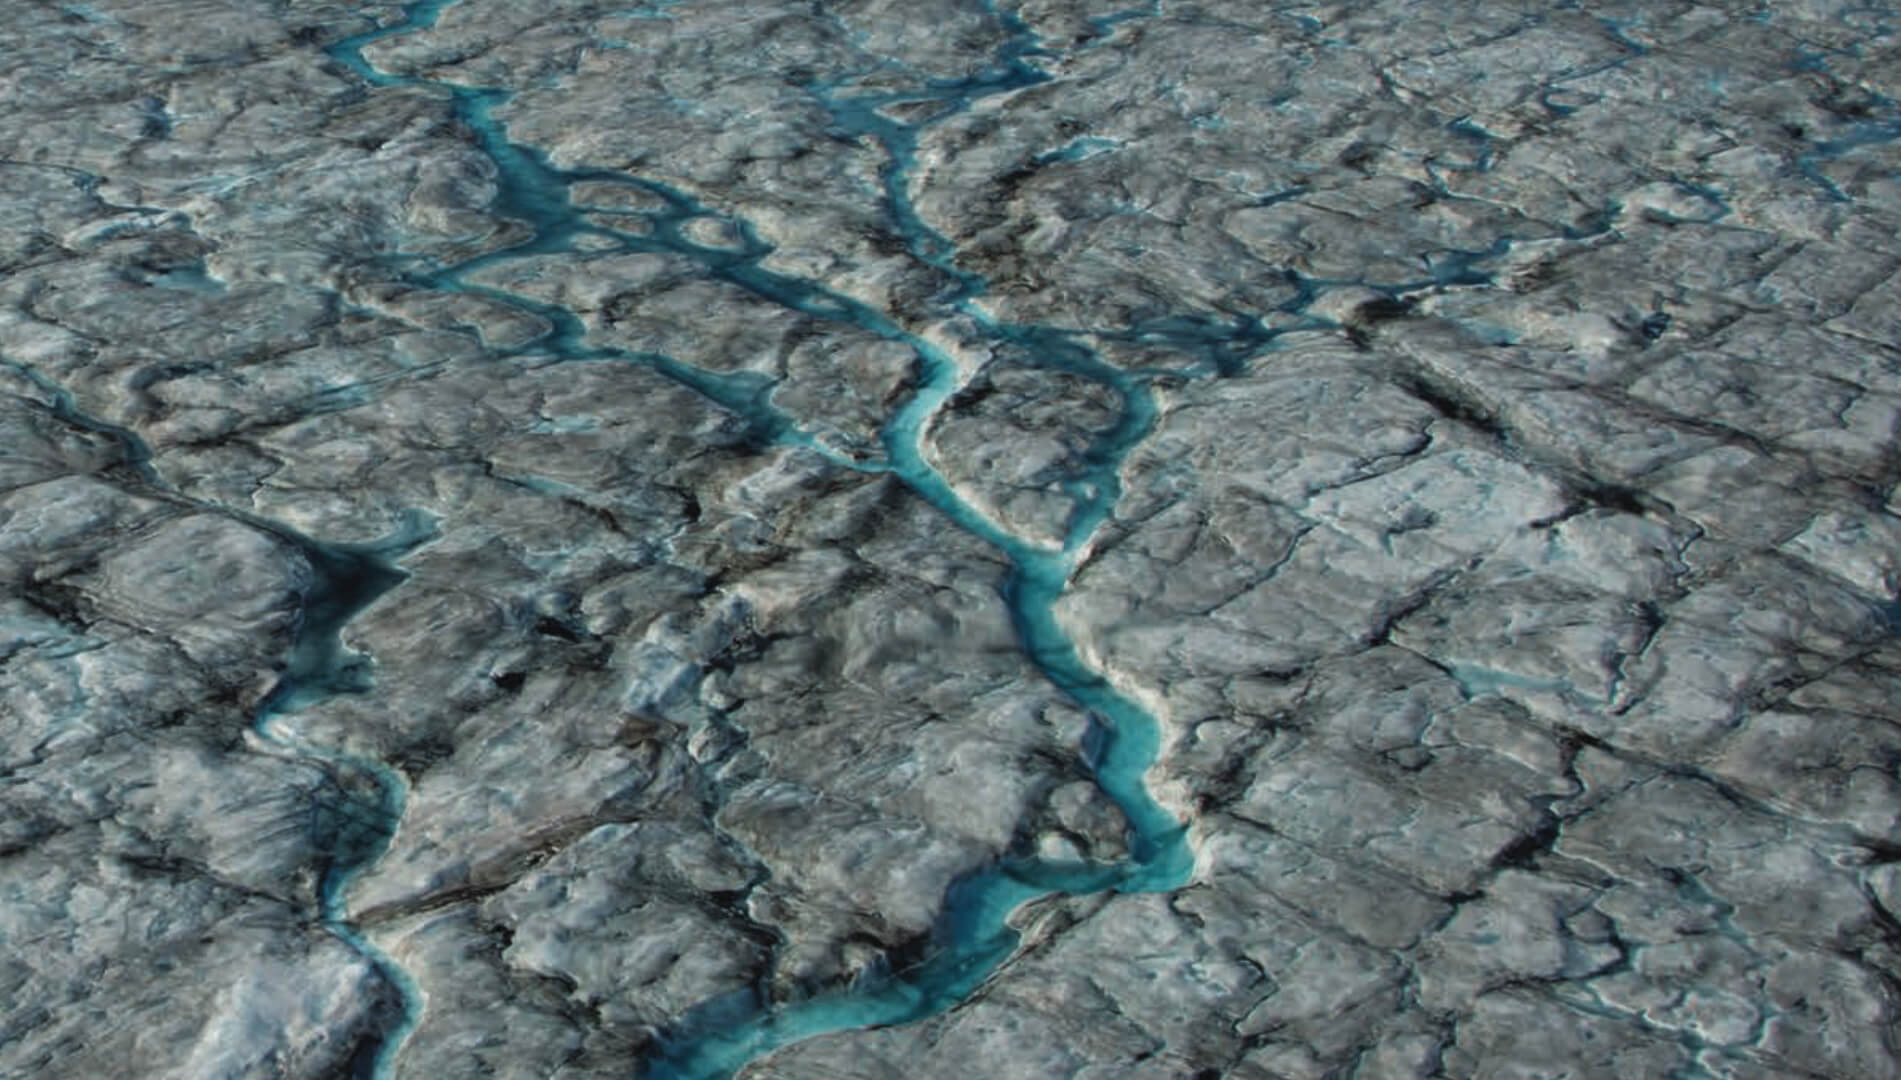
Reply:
x=350, y=829
x=353, y=829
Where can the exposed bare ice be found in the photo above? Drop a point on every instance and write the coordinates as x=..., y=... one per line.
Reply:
x=879, y=539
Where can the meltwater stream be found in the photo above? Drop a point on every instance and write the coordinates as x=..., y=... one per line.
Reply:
x=351, y=827
x=972, y=937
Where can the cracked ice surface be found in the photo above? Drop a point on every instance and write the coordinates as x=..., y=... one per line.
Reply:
x=878, y=539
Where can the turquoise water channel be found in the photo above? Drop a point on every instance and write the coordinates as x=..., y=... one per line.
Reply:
x=972, y=937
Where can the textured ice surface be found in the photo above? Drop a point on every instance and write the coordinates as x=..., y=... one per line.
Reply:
x=874, y=539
